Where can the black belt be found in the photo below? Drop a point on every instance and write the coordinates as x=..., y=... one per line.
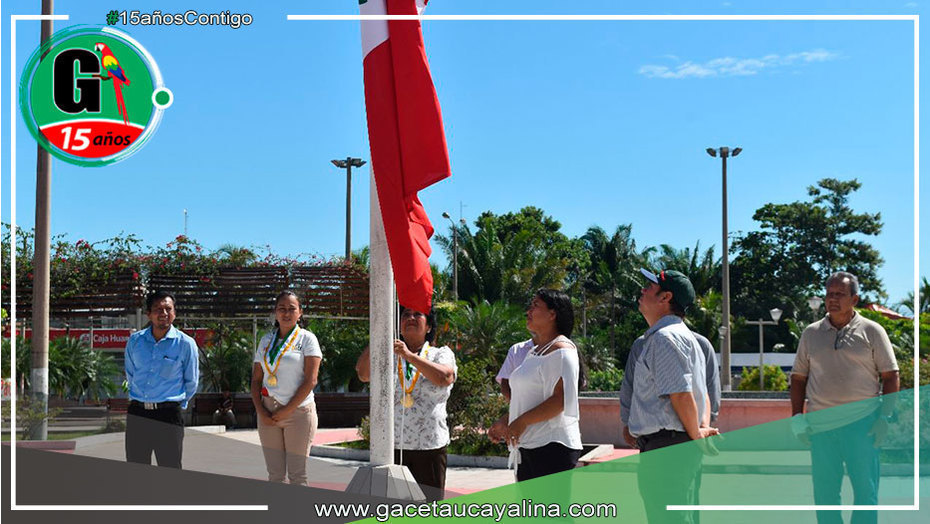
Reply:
x=641, y=440
x=155, y=405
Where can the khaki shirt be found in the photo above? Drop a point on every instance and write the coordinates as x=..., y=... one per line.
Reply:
x=844, y=365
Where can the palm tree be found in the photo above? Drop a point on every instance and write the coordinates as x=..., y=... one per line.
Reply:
x=705, y=315
x=613, y=269
x=362, y=258
x=76, y=370
x=492, y=269
x=703, y=269
x=924, y=304
x=236, y=256
x=487, y=329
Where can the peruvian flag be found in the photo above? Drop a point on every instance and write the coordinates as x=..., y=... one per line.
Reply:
x=408, y=145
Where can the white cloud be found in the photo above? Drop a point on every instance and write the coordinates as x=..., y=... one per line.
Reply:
x=731, y=66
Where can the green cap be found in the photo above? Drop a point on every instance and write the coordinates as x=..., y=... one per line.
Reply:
x=674, y=281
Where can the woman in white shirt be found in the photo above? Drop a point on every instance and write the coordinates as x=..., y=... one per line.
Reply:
x=284, y=374
x=542, y=429
x=425, y=374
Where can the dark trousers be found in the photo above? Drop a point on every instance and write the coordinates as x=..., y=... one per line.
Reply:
x=554, y=457
x=428, y=467
x=669, y=476
x=160, y=430
x=852, y=445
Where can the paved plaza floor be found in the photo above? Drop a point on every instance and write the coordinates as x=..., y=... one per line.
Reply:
x=211, y=449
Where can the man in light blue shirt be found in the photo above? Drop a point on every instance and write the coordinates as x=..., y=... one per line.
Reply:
x=668, y=403
x=712, y=379
x=162, y=373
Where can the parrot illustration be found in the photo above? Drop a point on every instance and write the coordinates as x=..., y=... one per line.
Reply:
x=116, y=73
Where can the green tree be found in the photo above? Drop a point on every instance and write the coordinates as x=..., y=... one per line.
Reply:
x=509, y=257
x=235, y=256
x=23, y=360
x=341, y=341
x=75, y=370
x=702, y=268
x=226, y=360
x=924, y=305
x=362, y=258
x=706, y=315
x=799, y=245
x=612, y=282
x=487, y=330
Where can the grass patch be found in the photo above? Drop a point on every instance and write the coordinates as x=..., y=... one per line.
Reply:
x=352, y=444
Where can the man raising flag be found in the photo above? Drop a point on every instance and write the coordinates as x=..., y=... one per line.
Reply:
x=408, y=145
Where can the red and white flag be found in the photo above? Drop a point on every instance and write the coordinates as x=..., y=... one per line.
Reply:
x=408, y=145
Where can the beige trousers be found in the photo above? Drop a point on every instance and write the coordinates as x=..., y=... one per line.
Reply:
x=286, y=446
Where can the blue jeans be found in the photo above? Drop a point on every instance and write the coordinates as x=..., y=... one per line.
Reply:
x=852, y=445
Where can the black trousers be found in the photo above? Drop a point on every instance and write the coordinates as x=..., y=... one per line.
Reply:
x=160, y=430
x=554, y=457
x=669, y=476
x=428, y=467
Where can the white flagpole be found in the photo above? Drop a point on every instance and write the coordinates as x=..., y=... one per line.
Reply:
x=382, y=478
x=380, y=332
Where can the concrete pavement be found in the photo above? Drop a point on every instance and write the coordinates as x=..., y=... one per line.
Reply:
x=238, y=453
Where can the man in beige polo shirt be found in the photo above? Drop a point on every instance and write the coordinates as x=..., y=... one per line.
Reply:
x=842, y=359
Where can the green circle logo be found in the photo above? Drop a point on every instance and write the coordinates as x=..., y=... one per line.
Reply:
x=92, y=96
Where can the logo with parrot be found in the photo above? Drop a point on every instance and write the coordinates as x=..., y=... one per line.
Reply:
x=115, y=73
x=92, y=96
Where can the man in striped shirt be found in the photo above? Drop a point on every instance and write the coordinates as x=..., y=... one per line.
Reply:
x=669, y=403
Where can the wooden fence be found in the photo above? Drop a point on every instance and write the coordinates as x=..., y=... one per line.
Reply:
x=325, y=291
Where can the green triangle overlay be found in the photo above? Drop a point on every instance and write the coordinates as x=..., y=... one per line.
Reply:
x=759, y=465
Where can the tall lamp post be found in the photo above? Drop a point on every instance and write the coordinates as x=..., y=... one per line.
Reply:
x=41, y=267
x=725, y=383
x=348, y=164
x=776, y=315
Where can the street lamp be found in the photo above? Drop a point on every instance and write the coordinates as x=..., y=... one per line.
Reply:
x=348, y=164
x=776, y=315
x=724, y=152
x=815, y=303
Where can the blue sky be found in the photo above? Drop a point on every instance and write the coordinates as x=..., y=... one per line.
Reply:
x=598, y=122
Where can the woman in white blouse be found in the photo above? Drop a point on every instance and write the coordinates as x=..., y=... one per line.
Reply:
x=542, y=429
x=284, y=374
x=425, y=374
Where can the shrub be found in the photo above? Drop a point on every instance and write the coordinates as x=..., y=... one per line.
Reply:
x=606, y=380
x=226, y=360
x=364, y=430
x=474, y=406
x=76, y=370
x=906, y=366
x=341, y=342
x=29, y=414
x=775, y=379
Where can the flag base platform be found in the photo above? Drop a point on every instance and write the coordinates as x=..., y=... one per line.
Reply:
x=391, y=481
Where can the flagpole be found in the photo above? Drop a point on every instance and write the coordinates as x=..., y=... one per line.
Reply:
x=381, y=478
x=380, y=331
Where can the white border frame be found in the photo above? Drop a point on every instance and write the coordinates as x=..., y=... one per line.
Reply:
x=914, y=18
x=69, y=507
